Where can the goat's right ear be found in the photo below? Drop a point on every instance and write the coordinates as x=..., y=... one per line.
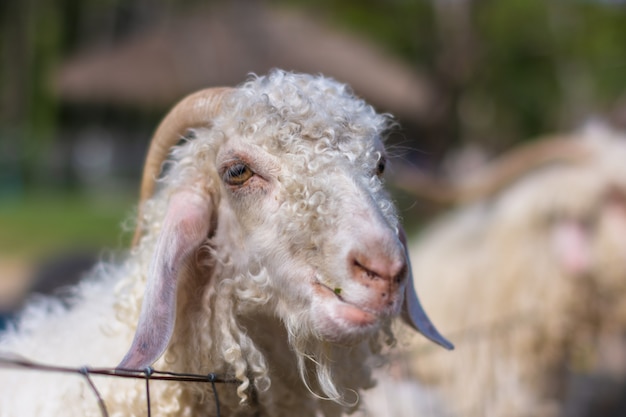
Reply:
x=185, y=227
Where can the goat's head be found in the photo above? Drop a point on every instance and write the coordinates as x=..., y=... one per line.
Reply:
x=291, y=165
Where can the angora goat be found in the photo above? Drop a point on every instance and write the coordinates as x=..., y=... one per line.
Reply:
x=270, y=252
x=531, y=280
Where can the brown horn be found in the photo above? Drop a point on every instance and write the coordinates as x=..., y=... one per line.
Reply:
x=494, y=176
x=193, y=111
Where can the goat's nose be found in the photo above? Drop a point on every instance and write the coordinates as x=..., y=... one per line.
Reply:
x=381, y=274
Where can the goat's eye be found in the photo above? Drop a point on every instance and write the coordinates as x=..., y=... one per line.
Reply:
x=237, y=174
x=380, y=167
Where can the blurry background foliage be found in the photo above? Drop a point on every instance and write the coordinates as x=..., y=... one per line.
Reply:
x=501, y=72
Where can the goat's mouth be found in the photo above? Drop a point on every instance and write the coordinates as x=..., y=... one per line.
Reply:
x=343, y=310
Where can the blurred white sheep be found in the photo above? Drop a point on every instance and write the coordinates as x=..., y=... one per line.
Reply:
x=528, y=276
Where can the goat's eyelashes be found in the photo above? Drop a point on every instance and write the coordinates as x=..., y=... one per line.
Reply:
x=237, y=174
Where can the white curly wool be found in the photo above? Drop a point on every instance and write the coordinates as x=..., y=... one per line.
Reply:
x=286, y=259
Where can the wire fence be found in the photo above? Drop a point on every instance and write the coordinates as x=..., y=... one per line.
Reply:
x=148, y=374
x=12, y=361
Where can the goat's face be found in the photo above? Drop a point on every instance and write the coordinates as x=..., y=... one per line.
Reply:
x=316, y=218
x=288, y=180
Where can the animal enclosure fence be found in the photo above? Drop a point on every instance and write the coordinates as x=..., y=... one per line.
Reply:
x=148, y=374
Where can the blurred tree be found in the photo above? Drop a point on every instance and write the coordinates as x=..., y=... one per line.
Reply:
x=30, y=47
x=504, y=70
x=34, y=36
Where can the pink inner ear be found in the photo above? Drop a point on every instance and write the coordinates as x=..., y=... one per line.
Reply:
x=571, y=244
x=413, y=313
x=185, y=227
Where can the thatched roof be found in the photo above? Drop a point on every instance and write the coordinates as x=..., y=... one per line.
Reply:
x=221, y=46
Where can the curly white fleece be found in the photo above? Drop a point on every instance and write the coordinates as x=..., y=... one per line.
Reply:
x=314, y=126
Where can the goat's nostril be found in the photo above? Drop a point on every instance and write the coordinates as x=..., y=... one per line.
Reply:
x=359, y=268
x=378, y=268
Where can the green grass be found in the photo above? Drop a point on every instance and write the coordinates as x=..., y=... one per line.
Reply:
x=43, y=223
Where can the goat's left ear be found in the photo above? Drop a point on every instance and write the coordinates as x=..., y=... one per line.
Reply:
x=185, y=227
x=412, y=312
